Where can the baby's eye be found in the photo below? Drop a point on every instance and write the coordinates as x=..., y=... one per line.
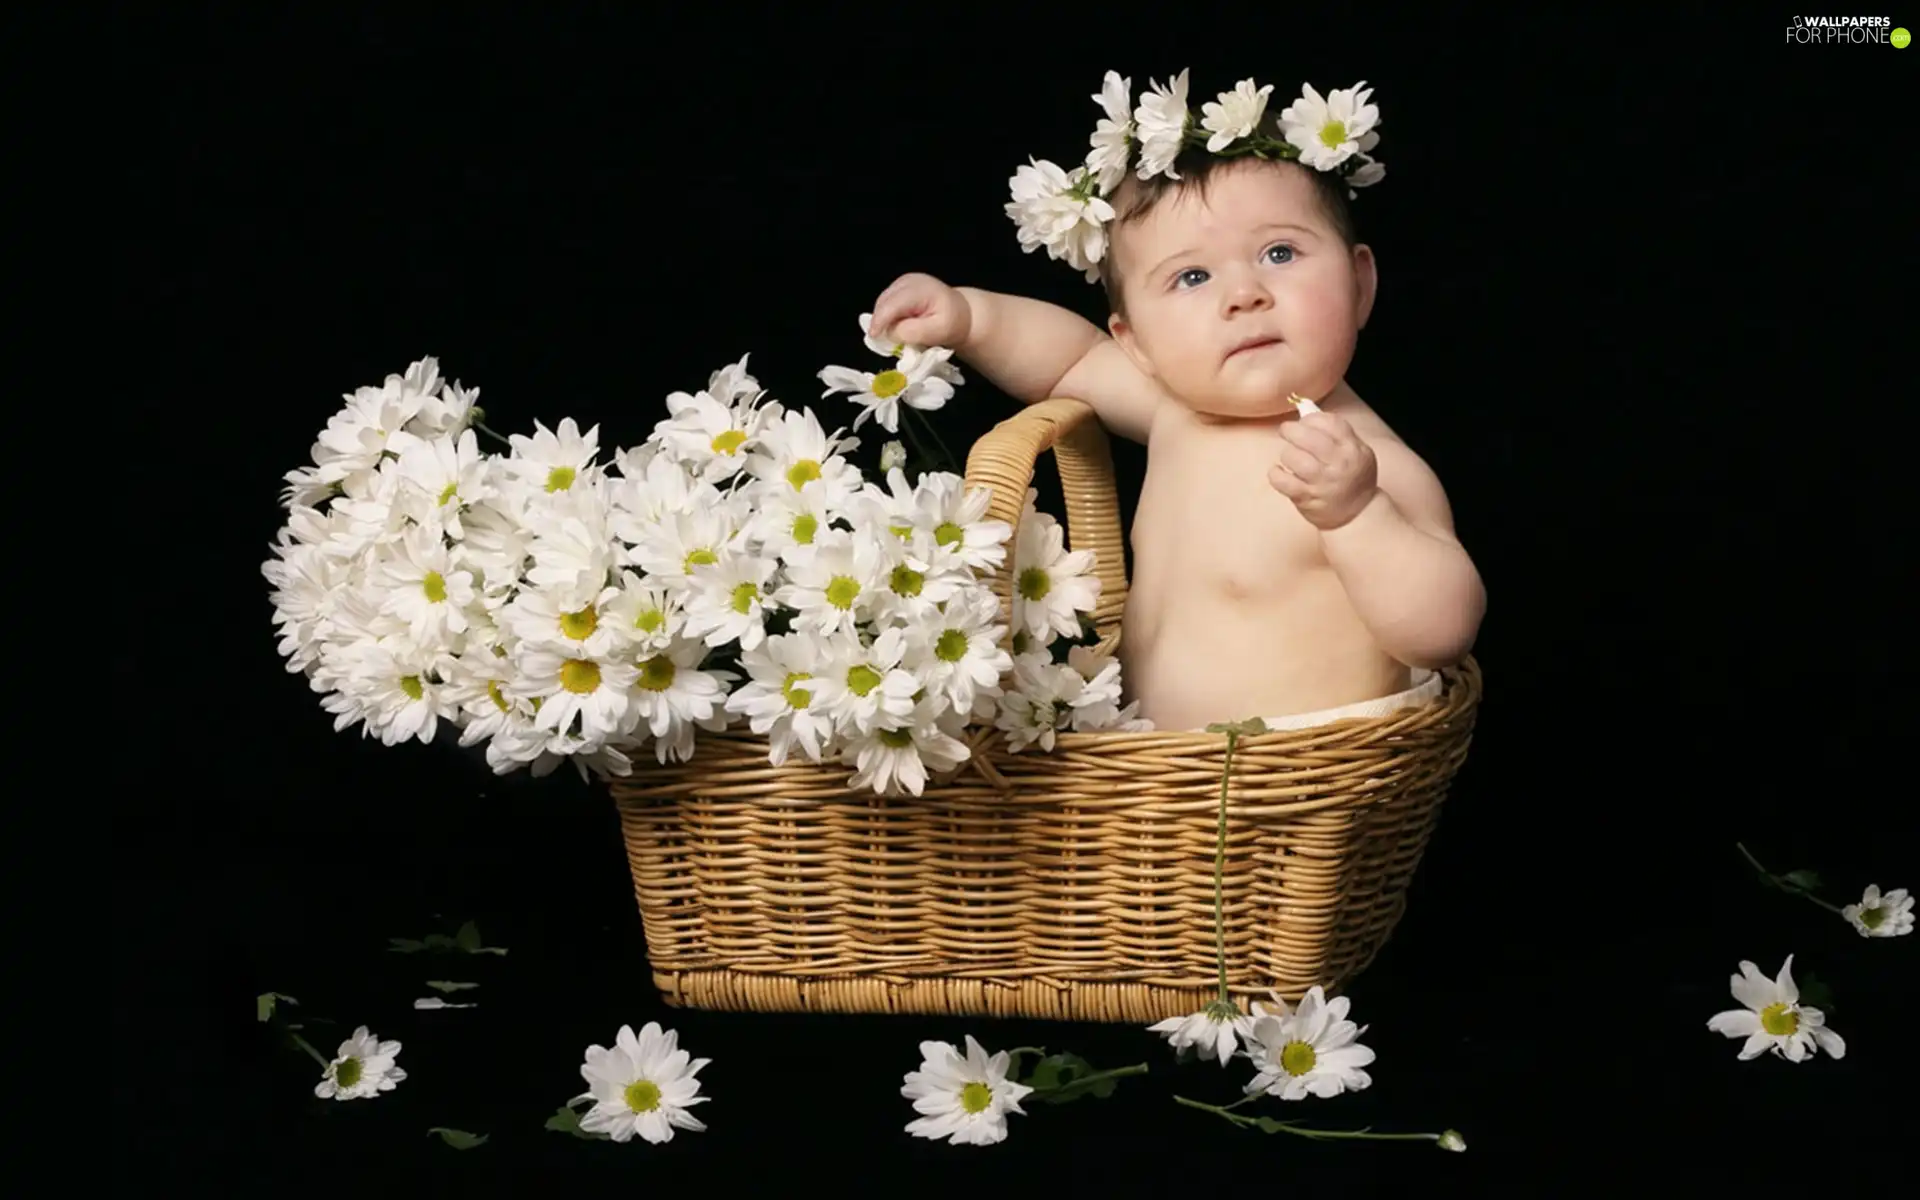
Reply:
x=1282, y=249
x=1183, y=278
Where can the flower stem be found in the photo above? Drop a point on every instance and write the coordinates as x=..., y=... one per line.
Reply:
x=1086, y=1083
x=308, y=1047
x=1272, y=1126
x=946, y=455
x=481, y=426
x=1785, y=885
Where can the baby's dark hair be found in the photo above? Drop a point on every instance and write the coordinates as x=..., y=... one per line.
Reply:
x=1136, y=197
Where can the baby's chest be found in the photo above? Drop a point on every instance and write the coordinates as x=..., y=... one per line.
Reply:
x=1208, y=515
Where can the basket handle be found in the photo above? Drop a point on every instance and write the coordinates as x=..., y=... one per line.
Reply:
x=1003, y=460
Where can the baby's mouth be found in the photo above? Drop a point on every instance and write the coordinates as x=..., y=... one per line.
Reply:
x=1253, y=344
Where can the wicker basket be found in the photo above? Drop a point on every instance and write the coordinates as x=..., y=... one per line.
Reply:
x=1075, y=885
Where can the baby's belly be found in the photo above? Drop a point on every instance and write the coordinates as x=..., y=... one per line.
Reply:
x=1208, y=658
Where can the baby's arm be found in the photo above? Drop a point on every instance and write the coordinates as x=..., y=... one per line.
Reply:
x=1029, y=349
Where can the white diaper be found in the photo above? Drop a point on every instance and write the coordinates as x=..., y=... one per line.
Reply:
x=1426, y=685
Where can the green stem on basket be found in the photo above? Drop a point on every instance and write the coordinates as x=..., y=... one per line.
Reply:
x=1786, y=885
x=1269, y=1125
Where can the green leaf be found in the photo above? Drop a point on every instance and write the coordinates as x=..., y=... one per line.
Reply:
x=468, y=938
x=1248, y=728
x=448, y=985
x=405, y=945
x=1815, y=993
x=565, y=1120
x=459, y=1139
x=1805, y=880
x=264, y=1002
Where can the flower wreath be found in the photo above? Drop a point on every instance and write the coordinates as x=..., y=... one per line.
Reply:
x=1067, y=212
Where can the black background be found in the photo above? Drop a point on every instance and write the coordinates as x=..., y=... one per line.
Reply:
x=1645, y=306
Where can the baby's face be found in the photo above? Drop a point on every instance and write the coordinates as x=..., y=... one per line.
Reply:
x=1254, y=261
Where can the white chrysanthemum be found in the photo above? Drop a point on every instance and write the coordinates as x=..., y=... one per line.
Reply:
x=1881, y=916
x=1329, y=130
x=795, y=452
x=895, y=760
x=356, y=435
x=1234, y=115
x=710, y=436
x=494, y=543
x=652, y=489
x=880, y=394
x=1312, y=1051
x=375, y=517
x=305, y=579
x=571, y=683
x=727, y=600
x=833, y=587
x=1112, y=137
x=674, y=694
x=1052, y=586
x=942, y=506
x=476, y=683
x=785, y=522
x=539, y=618
x=778, y=698
x=441, y=475
x=1038, y=702
x=444, y=413
x=647, y=613
x=644, y=1085
x=957, y=651
x=1774, y=1019
x=865, y=687
x=1160, y=123
x=550, y=461
x=934, y=360
x=364, y=1066
x=1097, y=706
x=1056, y=210
x=1370, y=171
x=1215, y=1031
x=574, y=549
x=394, y=685
x=422, y=585
x=670, y=548
x=965, y=1100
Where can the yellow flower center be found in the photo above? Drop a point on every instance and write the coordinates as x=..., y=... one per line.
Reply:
x=435, y=586
x=951, y=646
x=650, y=620
x=906, y=581
x=888, y=384
x=804, y=527
x=1333, y=133
x=656, y=674
x=447, y=493
x=493, y=694
x=642, y=1096
x=1872, y=917
x=1779, y=1020
x=842, y=591
x=699, y=558
x=560, y=479
x=862, y=679
x=903, y=532
x=1034, y=584
x=744, y=594
x=728, y=442
x=797, y=697
x=347, y=1073
x=898, y=739
x=1297, y=1059
x=410, y=684
x=577, y=625
x=949, y=534
x=802, y=473
x=975, y=1097
x=580, y=675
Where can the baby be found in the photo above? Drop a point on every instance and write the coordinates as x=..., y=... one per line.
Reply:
x=1298, y=566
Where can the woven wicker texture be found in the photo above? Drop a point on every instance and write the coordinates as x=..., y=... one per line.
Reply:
x=1076, y=884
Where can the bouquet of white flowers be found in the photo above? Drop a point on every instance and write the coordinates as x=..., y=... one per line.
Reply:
x=737, y=567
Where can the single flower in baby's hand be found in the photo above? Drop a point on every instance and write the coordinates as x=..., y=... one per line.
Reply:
x=1325, y=468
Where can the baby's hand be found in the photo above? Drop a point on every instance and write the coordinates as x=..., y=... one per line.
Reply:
x=1325, y=468
x=919, y=310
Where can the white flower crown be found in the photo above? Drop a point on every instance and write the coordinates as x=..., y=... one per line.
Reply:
x=1067, y=211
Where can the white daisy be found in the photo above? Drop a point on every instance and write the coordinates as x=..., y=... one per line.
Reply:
x=394, y=683
x=669, y=549
x=1234, y=115
x=1160, y=123
x=957, y=651
x=880, y=394
x=644, y=1085
x=1216, y=1030
x=1329, y=130
x=1097, y=706
x=712, y=437
x=569, y=684
x=777, y=700
x=864, y=687
x=364, y=1066
x=1111, y=140
x=1033, y=708
x=356, y=436
x=728, y=599
x=445, y=412
x=551, y=461
x=1881, y=916
x=574, y=549
x=833, y=586
x=1774, y=1018
x=494, y=543
x=673, y=693
x=1052, y=586
x=422, y=586
x=784, y=520
x=965, y=1100
x=305, y=579
x=442, y=475
x=795, y=452
x=1312, y=1051
x=646, y=612
x=1054, y=209
x=896, y=760
x=551, y=619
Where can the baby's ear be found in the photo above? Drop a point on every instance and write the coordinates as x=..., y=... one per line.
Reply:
x=1123, y=334
x=1366, y=274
